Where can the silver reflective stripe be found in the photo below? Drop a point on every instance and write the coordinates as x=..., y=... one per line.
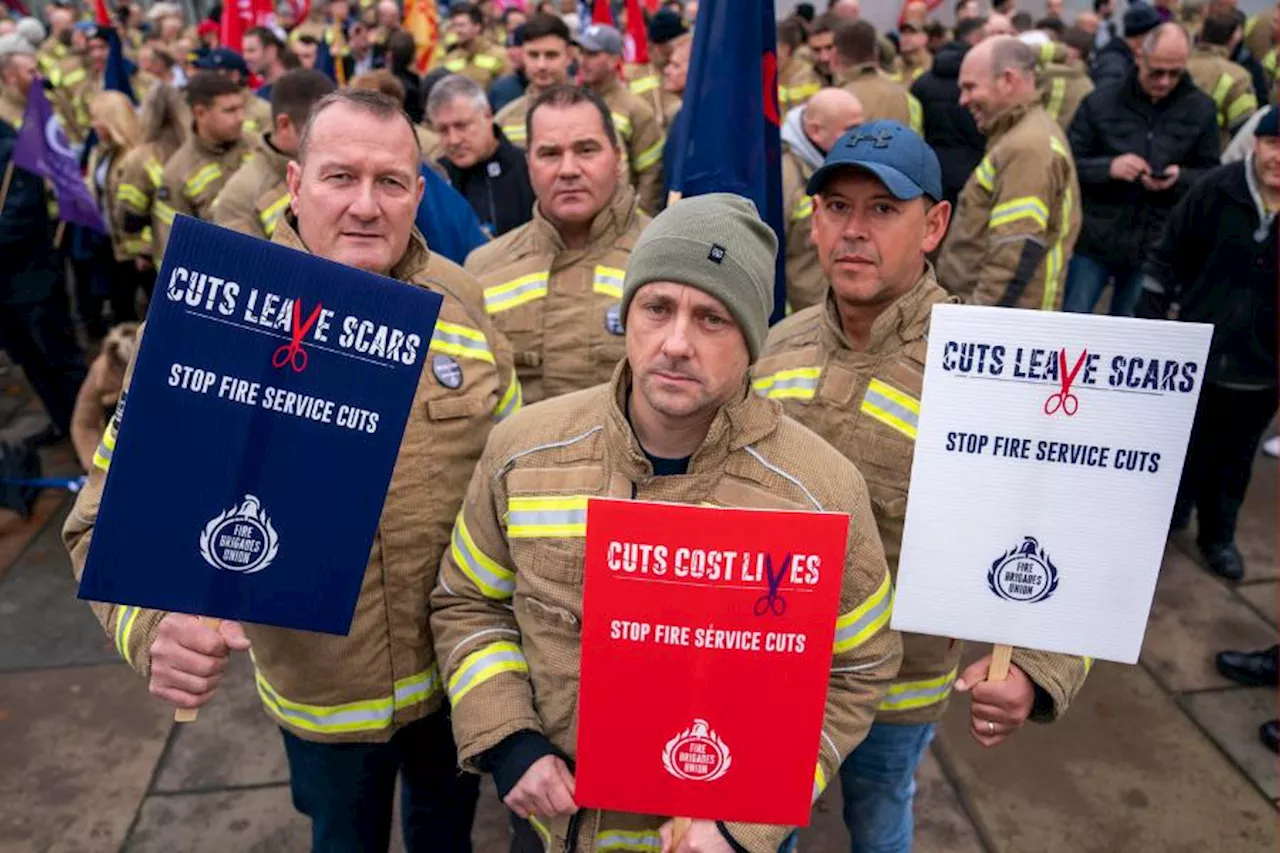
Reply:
x=329, y=721
x=804, y=383
x=638, y=841
x=546, y=517
x=497, y=300
x=505, y=585
x=848, y=632
x=407, y=694
x=441, y=336
x=480, y=664
x=936, y=692
x=893, y=407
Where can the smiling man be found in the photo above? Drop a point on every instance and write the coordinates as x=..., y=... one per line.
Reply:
x=360, y=710
x=553, y=286
x=676, y=422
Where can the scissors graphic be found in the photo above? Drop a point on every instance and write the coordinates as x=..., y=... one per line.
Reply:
x=772, y=601
x=1064, y=399
x=292, y=353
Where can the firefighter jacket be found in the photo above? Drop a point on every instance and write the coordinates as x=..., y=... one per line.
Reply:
x=482, y=63
x=1259, y=32
x=1228, y=84
x=141, y=176
x=382, y=675
x=797, y=83
x=12, y=107
x=806, y=282
x=256, y=197
x=640, y=136
x=67, y=73
x=1062, y=84
x=507, y=611
x=105, y=189
x=914, y=66
x=1017, y=218
x=881, y=97
x=646, y=81
x=559, y=307
x=193, y=177
x=257, y=114
x=866, y=404
x=511, y=118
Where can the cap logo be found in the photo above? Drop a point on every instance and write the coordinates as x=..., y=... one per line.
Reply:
x=880, y=139
x=716, y=255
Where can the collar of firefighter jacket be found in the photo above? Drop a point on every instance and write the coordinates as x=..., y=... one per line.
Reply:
x=1051, y=53
x=215, y=152
x=744, y=421
x=610, y=224
x=1211, y=50
x=413, y=263
x=902, y=322
x=272, y=156
x=857, y=72
x=1005, y=121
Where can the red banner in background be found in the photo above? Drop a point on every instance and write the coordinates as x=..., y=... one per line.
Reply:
x=240, y=16
x=706, y=653
x=422, y=21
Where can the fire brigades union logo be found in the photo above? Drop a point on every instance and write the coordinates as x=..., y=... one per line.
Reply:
x=697, y=754
x=1024, y=573
x=240, y=540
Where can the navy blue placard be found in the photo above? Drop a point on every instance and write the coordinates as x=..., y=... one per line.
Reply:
x=248, y=474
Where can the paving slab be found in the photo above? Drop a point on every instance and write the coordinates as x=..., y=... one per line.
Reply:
x=232, y=744
x=1194, y=615
x=1259, y=521
x=256, y=820
x=1232, y=717
x=1265, y=598
x=42, y=623
x=80, y=746
x=1125, y=771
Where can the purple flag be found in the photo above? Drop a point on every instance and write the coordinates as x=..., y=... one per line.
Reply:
x=43, y=148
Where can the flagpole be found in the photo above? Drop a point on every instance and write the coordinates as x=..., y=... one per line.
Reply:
x=190, y=715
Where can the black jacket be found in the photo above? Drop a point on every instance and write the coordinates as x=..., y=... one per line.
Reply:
x=948, y=127
x=497, y=189
x=1218, y=262
x=412, y=93
x=29, y=271
x=1246, y=60
x=1122, y=220
x=1113, y=63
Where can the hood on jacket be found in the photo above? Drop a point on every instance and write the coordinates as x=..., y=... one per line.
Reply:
x=947, y=62
x=795, y=138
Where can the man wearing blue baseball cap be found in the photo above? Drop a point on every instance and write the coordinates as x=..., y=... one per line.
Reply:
x=228, y=63
x=852, y=370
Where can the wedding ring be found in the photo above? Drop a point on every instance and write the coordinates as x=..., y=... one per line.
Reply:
x=991, y=727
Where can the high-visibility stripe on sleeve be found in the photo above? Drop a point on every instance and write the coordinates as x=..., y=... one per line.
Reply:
x=517, y=292
x=985, y=174
x=517, y=134
x=649, y=157
x=201, y=180
x=608, y=281
x=892, y=407
x=155, y=171
x=487, y=62
x=270, y=215
x=860, y=624
x=483, y=665
x=1055, y=266
x=1046, y=51
x=632, y=842
x=460, y=341
x=362, y=716
x=1014, y=210
x=1220, y=89
x=1057, y=146
x=106, y=447
x=1241, y=107
x=907, y=695
x=802, y=209
x=1088, y=664
x=795, y=94
x=819, y=782
x=124, y=629
x=491, y=578
x=643, y=84
x=163, y=212
x=136, y=247
x=71, y=78
x=547, y=516
x=915, y=113
x=132, y=196
x=1057, y=94
x=797, y=383
x=456, y=64
x=622, y=124
x=511, y=401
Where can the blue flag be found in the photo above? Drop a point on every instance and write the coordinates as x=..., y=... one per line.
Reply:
x=43, y=148
x=728, y=129
x=116, y=76
x=447, y=220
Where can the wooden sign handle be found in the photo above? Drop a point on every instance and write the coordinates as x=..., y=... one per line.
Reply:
x=678, y=832
x=1000, y=655
x=189, y=715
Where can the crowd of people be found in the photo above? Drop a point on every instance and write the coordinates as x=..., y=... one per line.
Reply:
x=1005, y=160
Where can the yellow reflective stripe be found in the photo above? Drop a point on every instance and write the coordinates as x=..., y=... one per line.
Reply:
x=1024, y=207
x=916, y=114
x=796, y=383
x=489, y=576
x=478, y=667
x=1046, y=51
x=819, y=782
x=124, y=630
x=797, y=93
x=640, y=842
x=543, y=832
x=985, y=174
x=1058, y=147
x=892, y=407
x=622, y=124
x=198, y=182
x=1249, y=25
x=906, y=695
x=516, y=133
x=455, y=65
x=861, y=623
x=511, y=294
x=643, y=84
x=1269, y=61
x=649, y=157
x=1057, y=94
x=1056, y=267
x=802, y=209
x=365, y=715
x=163, y=212
x=511, y=401
x=1240, y=107
x=136, y=247
x=155, y=170
x=132, y=196
x=487, y=62
x=1221, y=88
x=546, y=516
x=1088, y=664
x=608, y=281
x=106, y=447
x=270, y=215
x=460, y=341
x=71, y=78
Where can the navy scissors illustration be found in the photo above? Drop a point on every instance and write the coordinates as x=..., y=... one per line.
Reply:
x=772, y=601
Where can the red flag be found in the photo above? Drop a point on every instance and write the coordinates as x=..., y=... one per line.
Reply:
x=602, y=12
x=238, y=16
x=636, y=35
x=101, y=16
x=422, y=21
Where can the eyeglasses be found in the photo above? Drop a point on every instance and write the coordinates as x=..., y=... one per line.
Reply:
x=1163, y=73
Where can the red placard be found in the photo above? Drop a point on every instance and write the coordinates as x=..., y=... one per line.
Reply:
x=706, y=653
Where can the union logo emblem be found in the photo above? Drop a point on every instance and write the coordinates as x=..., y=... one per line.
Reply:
x=697, y=754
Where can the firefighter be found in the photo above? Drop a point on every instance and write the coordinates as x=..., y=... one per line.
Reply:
x=1018, y=215
x=553, y=286
x=797, y=81
x=854, y=64
x=228, y=63
x=665, y=31
x=472, y=55
x=1227, y=83
x=164, y=129
x=546, y=63
x=1063, y=81
x=851, y=369
x=676, y=422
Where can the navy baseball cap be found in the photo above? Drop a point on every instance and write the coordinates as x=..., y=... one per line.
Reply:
x=894, y=153
x=223, y=59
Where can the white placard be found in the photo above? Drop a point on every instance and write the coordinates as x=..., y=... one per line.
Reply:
x=1035, y=518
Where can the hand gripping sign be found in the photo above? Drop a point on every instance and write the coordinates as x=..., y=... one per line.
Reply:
x=1047, y=458
x=264, y=417
x=706, y=652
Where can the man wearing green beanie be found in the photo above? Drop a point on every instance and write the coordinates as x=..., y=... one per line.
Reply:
x=676, y=423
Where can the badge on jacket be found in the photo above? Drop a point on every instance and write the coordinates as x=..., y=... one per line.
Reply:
x=447, y=371
x=613, y=320
x=494, y=168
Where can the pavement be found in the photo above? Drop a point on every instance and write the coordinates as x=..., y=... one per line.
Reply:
x=1162, y=756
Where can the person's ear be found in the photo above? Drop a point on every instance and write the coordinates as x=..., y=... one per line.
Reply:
x=936, y=221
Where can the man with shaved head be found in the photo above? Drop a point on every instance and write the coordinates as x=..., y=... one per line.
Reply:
x=1018, y=215
x=998, y=25
x=808, y=133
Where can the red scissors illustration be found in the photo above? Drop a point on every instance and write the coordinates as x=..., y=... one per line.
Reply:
x=1064, y=399
x=292, y=353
